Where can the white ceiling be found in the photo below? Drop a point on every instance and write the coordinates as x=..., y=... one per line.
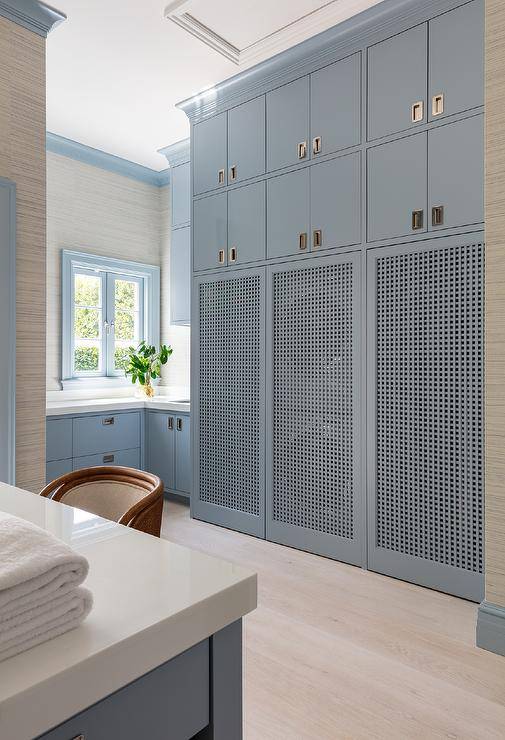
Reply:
x=116, y=68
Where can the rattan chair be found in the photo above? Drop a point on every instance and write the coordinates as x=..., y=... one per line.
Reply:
x=125, y=495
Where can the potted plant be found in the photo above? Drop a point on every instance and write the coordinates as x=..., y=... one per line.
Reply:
x=144, y=364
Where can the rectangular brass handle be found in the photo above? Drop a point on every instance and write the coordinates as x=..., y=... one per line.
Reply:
x=220, y=256
x=79, y=737
x=317, y=145
x=233, y=173
x=417, y=219
x=233, y=254
x=317, y=238
x=302, y=240
x=179, y=424
x=417, y=112
x=108, y=458
x=437, y=216
x=108, y=421
x=220, y=177
x=302, y=150
x=170, y=423
x=437, y=105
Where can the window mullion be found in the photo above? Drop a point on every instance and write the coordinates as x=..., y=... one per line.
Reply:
x=110, y=319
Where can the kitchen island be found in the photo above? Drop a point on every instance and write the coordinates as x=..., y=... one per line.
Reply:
x=160, y=655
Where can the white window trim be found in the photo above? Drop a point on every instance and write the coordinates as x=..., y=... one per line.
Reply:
x=150, y=275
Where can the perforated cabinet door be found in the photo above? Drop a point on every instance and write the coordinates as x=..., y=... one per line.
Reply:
x=314, y=492
x=426, y=414
x=228, y=408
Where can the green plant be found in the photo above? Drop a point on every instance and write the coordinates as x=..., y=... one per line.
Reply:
x=144, y=363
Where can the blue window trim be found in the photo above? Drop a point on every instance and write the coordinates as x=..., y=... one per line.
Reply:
x=150, y=275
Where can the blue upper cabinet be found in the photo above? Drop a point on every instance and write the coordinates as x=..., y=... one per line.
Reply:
x=288, y=213
x=181, y=196
x=456, y=73
x=246, y=140
x=246, y=223
x=335, y=106
x=180, y=276
x=397, y=82
x=210, y=232
x=209, y=153
x=287, y=118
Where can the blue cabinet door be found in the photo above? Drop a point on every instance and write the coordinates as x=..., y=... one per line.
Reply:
x=288, y=124
x=210, y=232
x=160, y=442
x=288, y=215
x=246, y=140
x=181, y=197
x=209, y=153
x=246, y=223
x=456, y=72
x=58, y=439
x=335, y=106
x=397, y=82
x=397, y=188
x=456, y=174
x=335, y=196
x=180, y=276
x=183, y=454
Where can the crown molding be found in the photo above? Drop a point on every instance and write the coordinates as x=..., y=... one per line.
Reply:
x=31, y=14
x=178, y=153
x=97, y=158
x=364, y=29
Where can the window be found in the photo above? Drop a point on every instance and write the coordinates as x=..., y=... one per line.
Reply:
x=108, y=306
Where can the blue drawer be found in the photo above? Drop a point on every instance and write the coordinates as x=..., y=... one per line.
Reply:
x=58, y=439
x=58, y=467
x=94, y=434
x=127, y=458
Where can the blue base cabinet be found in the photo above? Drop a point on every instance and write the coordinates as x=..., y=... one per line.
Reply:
x=168, y=449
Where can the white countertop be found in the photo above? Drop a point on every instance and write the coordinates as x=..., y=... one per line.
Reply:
x=153, y=599
x=77, y=406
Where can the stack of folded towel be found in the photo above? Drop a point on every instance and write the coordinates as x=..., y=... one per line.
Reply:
x=40, y=593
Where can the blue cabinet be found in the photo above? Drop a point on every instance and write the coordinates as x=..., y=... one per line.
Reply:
x=288, y=213
x=246, y=223
x=335, y=198
x=209, y=151
x=125, y=458
x=246, y=140
x=168, y=449
x=180, y=276
x=58, y=439
x=183, y=454
x=210, y=232
x=110, y=432
x=56, y=468
x=287, y=117
x=181, y=195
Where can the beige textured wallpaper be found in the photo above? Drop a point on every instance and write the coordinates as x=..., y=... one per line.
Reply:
x=495, y=302
x=22, y=159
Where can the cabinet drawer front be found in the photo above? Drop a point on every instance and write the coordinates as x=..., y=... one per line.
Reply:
x=94, y=434
x=58, y=439
x=170, y=702
x=125, y=458
x=56, y=468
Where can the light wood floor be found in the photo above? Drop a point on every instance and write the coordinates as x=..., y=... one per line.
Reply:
x=333, y=651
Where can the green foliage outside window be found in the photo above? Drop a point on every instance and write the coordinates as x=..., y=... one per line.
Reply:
x=86, y=359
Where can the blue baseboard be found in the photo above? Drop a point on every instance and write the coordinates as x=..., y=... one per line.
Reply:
x=491, y=628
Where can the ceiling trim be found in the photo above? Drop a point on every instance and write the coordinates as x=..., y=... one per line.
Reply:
x=31, y=14
x=178, y=153
x=98, y=158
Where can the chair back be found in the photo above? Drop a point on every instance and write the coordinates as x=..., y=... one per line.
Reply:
x=125, y=495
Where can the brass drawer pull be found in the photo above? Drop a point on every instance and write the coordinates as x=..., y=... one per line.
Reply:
x=79, y=737
x=233, y=173
x=170, y=423
x=220, y=177
x=233, y=254
x=220, y=256
x=302, y=150
x=179, y=424
x=302, y=240
x=108, y=421
x=317, y=238
x=417, y=112
x=437, y=216
x=417, y=219
x=437, y=105
x=317, y=145
x=108, y=458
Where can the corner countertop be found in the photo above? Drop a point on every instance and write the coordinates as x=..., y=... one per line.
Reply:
x=153, y=599
x=88, y=405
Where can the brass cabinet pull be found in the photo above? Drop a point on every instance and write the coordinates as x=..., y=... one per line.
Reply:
x=233, y=254
x=317, y=238
x=220, y=256
x=317, y=145
x=108, y=458
x=108, y=421
x=437, y=216
x=79, y=737
x=179, y=424
x=170, y=423
x=437, y=104
x=302, y=240
x=233, y=173
x=220, y=177
x=417, y=112
x=302, y=150
x=417, y=219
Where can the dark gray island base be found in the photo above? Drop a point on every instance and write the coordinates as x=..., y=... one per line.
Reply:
x=197, y=694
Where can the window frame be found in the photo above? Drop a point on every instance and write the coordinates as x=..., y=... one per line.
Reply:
x=109, y=269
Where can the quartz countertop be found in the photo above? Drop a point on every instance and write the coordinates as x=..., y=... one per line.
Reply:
x=153, y=599
x=88, y=405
